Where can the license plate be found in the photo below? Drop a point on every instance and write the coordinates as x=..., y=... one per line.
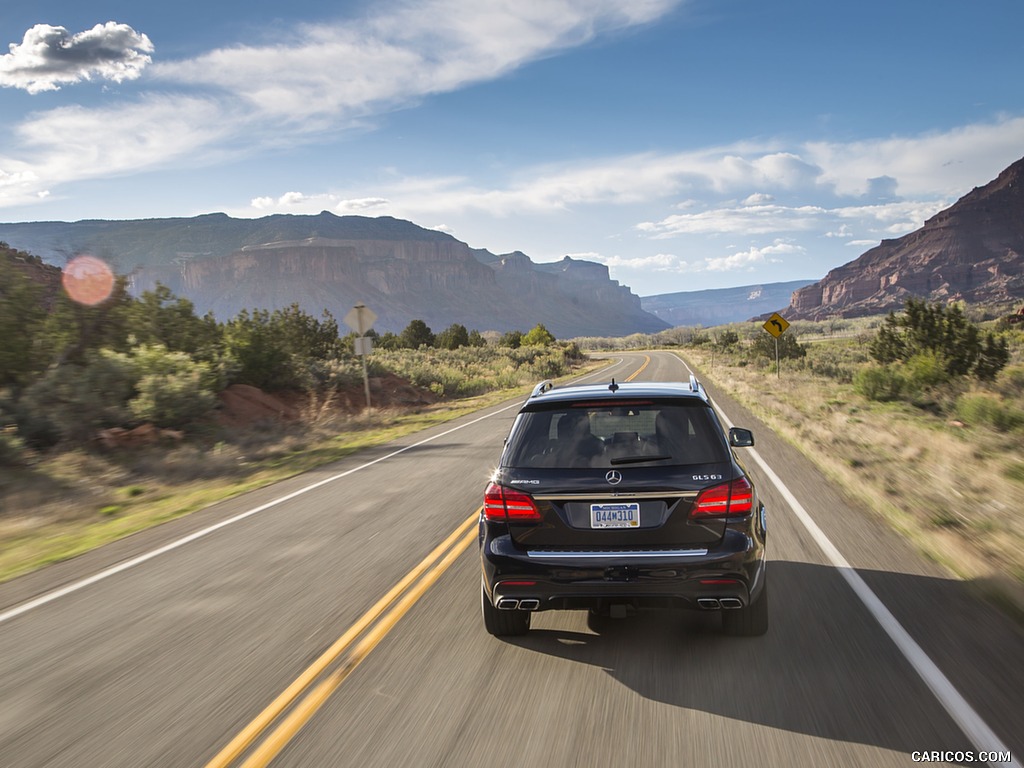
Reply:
x=615, y=515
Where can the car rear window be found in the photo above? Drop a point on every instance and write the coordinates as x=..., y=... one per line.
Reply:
x=609, y=435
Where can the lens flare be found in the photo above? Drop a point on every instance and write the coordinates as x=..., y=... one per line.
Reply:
x=88, y=280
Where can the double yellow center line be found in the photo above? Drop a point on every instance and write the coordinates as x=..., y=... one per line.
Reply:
x=638, y=371
x=371, y=628
x=288, y=712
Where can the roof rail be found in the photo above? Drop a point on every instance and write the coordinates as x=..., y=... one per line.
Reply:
x=695, y=386
x=543, y=387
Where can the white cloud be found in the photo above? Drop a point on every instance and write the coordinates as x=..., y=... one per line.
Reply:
x=49, y=57
x=317, y=78
x=946, y=163
x=331, y=72
x=660, y=262
x=746, y=260
x=751, y=220
x=362, y=205
x=740, y=260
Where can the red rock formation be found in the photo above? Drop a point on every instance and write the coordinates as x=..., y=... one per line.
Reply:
x=973, y=250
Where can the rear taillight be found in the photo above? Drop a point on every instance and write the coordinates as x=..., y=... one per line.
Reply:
x=725, y=500
x=501, y=504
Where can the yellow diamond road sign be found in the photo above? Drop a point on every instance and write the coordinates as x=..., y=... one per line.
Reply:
x=776, y=325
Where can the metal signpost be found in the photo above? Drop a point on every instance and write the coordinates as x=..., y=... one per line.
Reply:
x=776, y=325
x=360, y=319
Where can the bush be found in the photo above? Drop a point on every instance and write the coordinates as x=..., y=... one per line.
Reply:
x=789, y=348
x=12, y=447
x=538, y=336
x=944, y=332
x=924, y=371
x=988, y=410
x=1010, y=381
x=172, y=399
x=881, y=383
x=71, y=402
x=512, y=339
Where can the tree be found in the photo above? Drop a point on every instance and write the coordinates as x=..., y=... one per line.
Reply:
x=943, y=331
x=476, y=339
x=728, y=338
x=260, y=355
x=513, y=339
x=538, y=336
x=452, y=337
x=416, y=334
x=389, y=340
x=22, y=315
x=160, y=317
x=764, y=346
x=73, y=330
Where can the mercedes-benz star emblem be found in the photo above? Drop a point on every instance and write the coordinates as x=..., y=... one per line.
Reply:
x=614, y=477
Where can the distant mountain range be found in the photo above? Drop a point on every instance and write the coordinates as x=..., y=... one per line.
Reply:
x=399, y=270
x=973, y=250
x=719, y=306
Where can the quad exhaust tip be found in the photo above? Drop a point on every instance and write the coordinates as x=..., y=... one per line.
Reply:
x=511, y=604
x=711, y=603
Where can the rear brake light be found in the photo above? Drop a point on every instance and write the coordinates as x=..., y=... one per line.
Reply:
x=726, y=500
x=501, y=504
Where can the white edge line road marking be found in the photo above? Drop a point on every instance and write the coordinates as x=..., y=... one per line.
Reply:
x=982, y=737
x=56, y=594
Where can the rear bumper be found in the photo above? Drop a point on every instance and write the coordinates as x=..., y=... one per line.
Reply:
x=732, y=571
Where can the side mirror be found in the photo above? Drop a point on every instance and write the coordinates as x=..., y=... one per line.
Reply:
x=740, y=438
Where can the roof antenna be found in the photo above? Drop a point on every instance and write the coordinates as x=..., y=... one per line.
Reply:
x=613, y=386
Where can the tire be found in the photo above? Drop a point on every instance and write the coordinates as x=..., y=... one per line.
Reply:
x=503, y=623
x=751, y=621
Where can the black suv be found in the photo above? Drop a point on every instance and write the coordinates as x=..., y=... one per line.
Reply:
x=618, y=497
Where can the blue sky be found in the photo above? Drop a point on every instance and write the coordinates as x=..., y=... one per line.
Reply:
x=687, y=144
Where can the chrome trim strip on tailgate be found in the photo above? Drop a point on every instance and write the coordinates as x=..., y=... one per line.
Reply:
x=620, y=495
x=578, y=555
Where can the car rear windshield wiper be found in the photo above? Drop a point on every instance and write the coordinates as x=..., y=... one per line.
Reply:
x=638, y=459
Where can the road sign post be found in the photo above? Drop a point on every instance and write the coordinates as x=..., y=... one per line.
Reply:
x=360, y=319
x=776, y=325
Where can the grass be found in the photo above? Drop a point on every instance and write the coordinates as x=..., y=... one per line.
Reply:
x=71, y=502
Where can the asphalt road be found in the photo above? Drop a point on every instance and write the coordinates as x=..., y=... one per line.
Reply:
x=183, y=642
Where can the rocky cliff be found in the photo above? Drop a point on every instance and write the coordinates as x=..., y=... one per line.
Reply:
x=399, y=270
x=973, y=250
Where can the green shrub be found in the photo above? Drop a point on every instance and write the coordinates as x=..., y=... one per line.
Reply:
x=925, y=371
x=71, y=402
x=989, y=410
x=12, y=447
x=943, y=331
x=788, y=347
x=172, y=399
x=879, y=382
x=1010, y=381
x=538, y=336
